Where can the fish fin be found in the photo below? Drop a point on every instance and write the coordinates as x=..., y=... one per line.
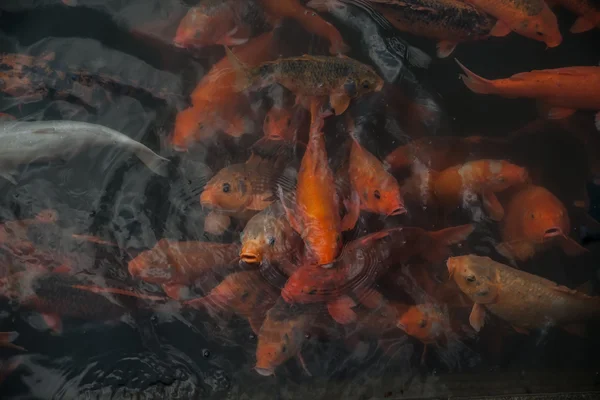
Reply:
x=582, y=25
x=9, y=176
x=339, y=102
x=575, y=329
x=446, y=237
x=352, y=211
x=230, y=39
x=475, y=82
x=173, y=290
x=570, y=246
x=500, y=29
x=294, y=223
x=54, y=322
x=492, y=205
x=520, y=250
x=341, y=310
x=445, y=48
x=477, y=317
x=153, y=161
x=256, y=322
x=303, y=364
x=522, y=331
x=7, y=339
x=242, y=78
x=418, y=58
x=370, y=298
x=597, y=120
x=554, y=112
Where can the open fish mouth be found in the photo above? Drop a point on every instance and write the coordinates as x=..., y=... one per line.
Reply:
x=249, y=258
x=553, y=232
x=398, y=211
x=264, y=371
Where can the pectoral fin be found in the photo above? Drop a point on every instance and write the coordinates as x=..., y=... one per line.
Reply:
x=9, y=176
x=341, y=310
x=352, y=212
x=445, y=48
x=477, y=317
x=570, y=246
x=500, y=29
x=582, y=25
x=492, y=205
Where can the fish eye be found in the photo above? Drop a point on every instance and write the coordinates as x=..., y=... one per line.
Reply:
x=470, y=278
x=271, y=241
x=226, y=187
x=366, y=85
x=377, y=194
x=539, y=33
x=267, y=118
x=422, y=323
x=502, y=179
x=532, y=216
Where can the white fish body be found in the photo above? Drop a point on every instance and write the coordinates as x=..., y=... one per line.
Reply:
x=26, y=142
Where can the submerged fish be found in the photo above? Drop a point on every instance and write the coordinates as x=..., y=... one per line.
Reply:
x=177, y=264
x=529, y=18
x=225, y=22
x=523, y=300
x=282, y=334
x=269, y=238
x=26, y=142
x=365, y=260
x=535, y=220
x=449, y=21
x=459, y=185
x=7, y=339
x=561, y=91
x=587, y=10
x=245, y=293
x=340, y=78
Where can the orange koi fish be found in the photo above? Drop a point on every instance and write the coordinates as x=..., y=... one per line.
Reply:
x=524, y=300
x=245, y=293
x=561, y=91
x=177, y=264
x=535, y=220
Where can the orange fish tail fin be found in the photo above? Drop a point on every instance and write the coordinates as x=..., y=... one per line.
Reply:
x=475, y=82
x=243, y=78
x=443, y=238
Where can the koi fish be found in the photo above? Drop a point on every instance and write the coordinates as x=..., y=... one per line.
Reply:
x=365, y=260
x=425, y=322
x=315, y=214
x=211, y=22
x=378, y=190
x=282, y=335
x=249, y=186
x=310, y=20
x=531, y=18
x=587, y=10
x=561, y=91
x=25, y=142
x=269, y=238
x=449, y=21
x=177, y=264
x=459, y=185
x=215, y=102
x=524, y=300
x=535, y=220
x=339, y=78
x=245, y=293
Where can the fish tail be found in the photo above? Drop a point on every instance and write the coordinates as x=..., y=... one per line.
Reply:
x=444, y=238
x=243, y=77
x=475, y=82
x=156, y=163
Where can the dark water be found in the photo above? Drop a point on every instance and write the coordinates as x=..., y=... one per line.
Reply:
x=165, y=351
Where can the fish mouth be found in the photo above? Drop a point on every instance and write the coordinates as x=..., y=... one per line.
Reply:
x=264, y=371
x=399, y=211
x=552, y=232
x=250, y=258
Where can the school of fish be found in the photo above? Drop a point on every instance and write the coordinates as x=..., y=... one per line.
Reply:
x=314, y=232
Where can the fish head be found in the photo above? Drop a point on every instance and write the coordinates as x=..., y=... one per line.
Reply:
x=424, y=322
x=476, y=276
x=503, y=175
x=277, y=123
x=192, y=124
x=153, y=266
x=387, y=198
x=545, y=28
x=266, y=237
x=544, y=220
x=277, y=343
x=200, y=27
x=228, y=190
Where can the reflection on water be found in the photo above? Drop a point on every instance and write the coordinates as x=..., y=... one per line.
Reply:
x=280, y=251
